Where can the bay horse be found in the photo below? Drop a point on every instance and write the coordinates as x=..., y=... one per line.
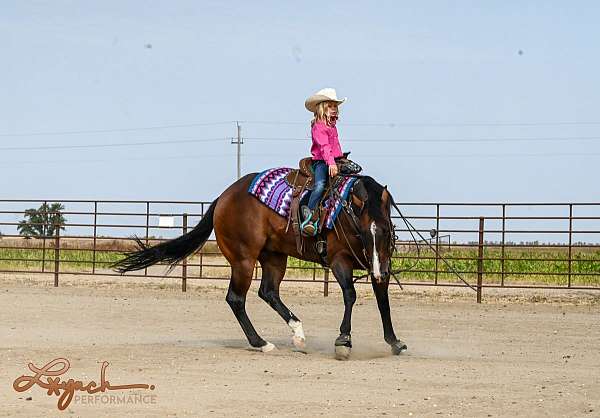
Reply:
x=247, y=231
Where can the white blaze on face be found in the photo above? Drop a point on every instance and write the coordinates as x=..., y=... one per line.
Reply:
x=376, y=266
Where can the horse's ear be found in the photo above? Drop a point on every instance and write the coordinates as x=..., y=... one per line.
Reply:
x=360, y=191
x=385, y=196
x=359, y=195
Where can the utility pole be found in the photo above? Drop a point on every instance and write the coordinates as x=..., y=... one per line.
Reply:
x=238, y=141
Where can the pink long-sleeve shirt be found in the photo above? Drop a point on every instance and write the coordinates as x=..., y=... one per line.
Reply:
x=325, y=143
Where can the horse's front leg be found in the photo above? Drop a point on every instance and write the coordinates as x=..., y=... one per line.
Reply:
x=342, y=270
x=383, y=302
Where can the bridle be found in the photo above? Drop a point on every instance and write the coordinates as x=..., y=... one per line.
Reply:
x=354, y=221
x=357, y=232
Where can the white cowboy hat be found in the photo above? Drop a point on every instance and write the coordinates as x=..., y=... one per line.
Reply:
x=324, y=95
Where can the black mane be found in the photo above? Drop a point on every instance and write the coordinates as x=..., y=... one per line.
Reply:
x=374, y=191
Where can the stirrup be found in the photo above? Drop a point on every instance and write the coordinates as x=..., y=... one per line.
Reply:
x=310, y=224
x=309, y=228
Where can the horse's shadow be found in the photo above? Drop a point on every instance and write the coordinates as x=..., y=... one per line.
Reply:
x=314, y=348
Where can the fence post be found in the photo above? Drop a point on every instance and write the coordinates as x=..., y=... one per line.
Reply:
x=200, y=251
x=45, y=227
x=437, y=242
x=326, y=282
x=147, y=230
x=184, y=264
x=503, y=243
x=570, y=243
x=480, y=260
x=95, y=235
x=56, y=254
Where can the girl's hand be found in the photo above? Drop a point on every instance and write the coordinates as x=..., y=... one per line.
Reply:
x=333, y=170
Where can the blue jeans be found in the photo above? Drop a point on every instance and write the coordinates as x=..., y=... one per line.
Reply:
x=321, y=172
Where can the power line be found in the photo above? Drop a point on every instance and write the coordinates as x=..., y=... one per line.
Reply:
x=113, y=130
x=483, y=155
x=431, y=124
x=113, y=160
x=275, y=122
x=491, y=155
x=306, y=122
x=110, y=145
x=434, y=140
x=200, y=140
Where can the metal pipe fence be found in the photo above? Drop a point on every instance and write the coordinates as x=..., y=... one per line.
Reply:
x=491, y=245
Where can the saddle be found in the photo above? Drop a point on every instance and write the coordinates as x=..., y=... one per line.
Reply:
x=302, y=176
x=302, y=179
x=304, y=173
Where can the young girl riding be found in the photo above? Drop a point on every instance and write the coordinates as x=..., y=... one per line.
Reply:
x=325, y=149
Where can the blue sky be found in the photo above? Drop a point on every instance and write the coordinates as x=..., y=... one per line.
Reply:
x=442, y=106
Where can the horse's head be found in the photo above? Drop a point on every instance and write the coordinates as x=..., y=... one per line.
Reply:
x=371, y=203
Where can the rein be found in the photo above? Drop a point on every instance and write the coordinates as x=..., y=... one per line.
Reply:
x=355, y=224
x=410, y=227
x=348, y=211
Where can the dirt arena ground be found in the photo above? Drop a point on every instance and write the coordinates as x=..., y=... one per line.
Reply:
x=519, y=355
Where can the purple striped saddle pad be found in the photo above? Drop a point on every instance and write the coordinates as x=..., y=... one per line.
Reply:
x=272, y=189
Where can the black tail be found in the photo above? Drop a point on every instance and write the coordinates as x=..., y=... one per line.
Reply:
x=171, y=251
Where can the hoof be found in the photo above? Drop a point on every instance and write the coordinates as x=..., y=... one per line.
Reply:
x=267, y=347
x=342, y=352
x=343, y=346
x=299, y=343
x=398, y=347
x=298, y=339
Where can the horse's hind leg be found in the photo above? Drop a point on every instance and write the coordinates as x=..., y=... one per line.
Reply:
x=241, y=277
x=273, y=269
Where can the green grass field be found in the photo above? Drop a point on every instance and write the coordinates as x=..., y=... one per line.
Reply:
x=550, y=266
